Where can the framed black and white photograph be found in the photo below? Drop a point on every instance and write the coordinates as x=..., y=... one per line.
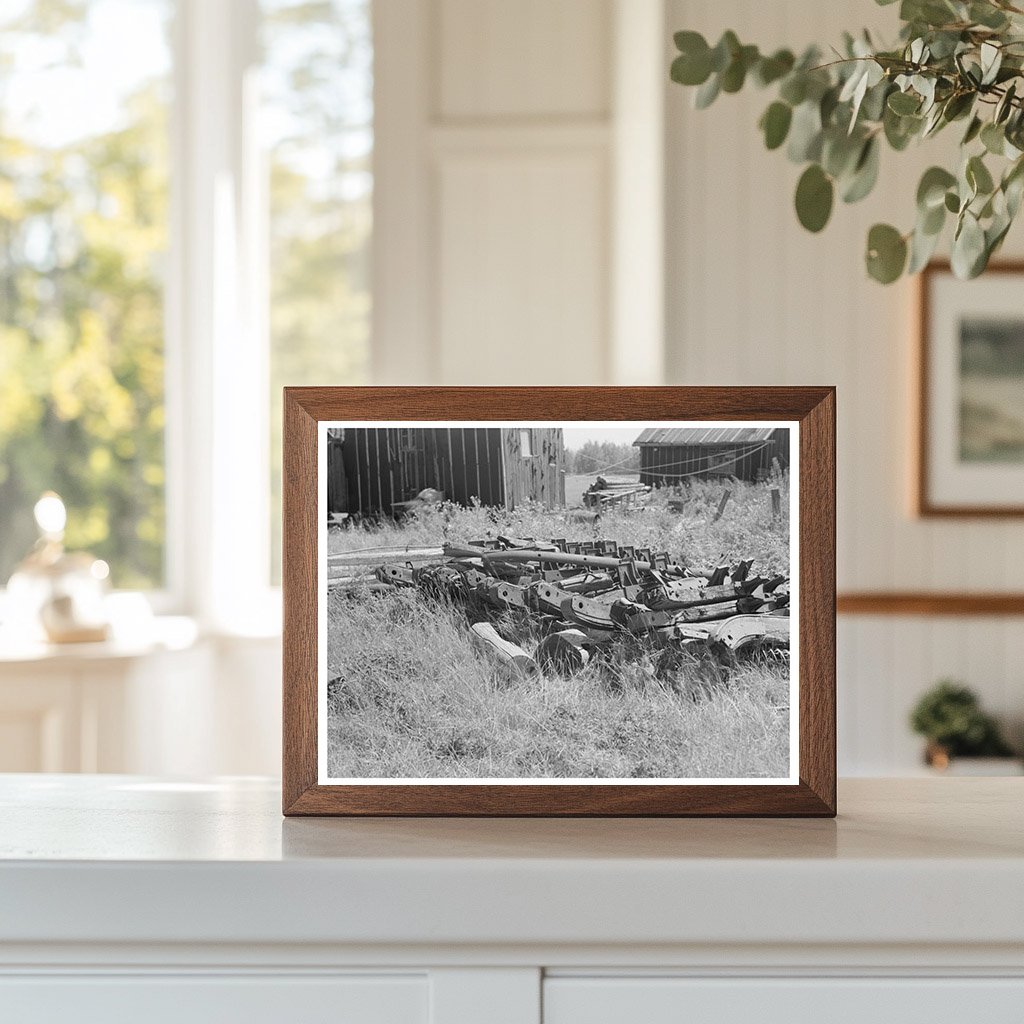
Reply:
x=971, y=393
x=529, y=614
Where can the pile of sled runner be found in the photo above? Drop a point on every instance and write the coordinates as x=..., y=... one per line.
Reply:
x=586, y=598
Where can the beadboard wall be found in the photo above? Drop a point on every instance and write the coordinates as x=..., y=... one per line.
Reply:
x=752, y=298
x=551, y=210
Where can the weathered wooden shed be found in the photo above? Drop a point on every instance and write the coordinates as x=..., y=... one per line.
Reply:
x=372, y=470
x=669, y=455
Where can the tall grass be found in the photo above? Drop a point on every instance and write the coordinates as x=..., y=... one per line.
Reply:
x=410, y=696
x=746, y=529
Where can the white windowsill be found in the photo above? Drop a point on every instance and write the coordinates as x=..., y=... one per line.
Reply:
x=259, y=620
x=161, y=633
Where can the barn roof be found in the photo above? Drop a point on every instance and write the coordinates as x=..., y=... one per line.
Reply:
x=703, y=435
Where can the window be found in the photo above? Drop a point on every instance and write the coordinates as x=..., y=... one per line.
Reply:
x=526, y=444
x=410, y=439
x=249, y=190
x=83, y=235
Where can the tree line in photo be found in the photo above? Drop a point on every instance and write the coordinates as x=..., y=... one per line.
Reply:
x=602, y=456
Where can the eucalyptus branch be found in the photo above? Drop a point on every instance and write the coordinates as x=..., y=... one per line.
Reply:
x=954, y=60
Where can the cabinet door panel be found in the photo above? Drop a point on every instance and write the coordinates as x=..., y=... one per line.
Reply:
x=202, y=999
x=782, y=1001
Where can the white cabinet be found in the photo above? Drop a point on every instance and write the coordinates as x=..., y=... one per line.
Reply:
x=101, y=708
x=202, y=999
x=133, y=899
x=173, y=705
x=667, y=1000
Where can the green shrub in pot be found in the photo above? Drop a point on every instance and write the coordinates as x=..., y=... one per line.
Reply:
x=950, y=717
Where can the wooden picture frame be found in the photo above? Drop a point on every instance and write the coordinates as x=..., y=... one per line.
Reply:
x=810, y=790
x=931, y=374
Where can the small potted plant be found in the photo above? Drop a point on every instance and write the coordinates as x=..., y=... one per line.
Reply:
x=950, y=717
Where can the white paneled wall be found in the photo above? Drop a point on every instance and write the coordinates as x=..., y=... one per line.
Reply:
x=521, y=160
x=754, y=299
x=537, y=316
x=506, y=131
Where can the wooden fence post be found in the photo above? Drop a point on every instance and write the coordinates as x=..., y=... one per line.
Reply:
x=721, y=505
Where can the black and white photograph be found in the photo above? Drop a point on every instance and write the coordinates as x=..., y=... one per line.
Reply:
x=545, y=602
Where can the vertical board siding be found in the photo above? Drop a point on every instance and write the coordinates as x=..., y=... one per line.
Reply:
x=337, y=482
x=380, y=467
x=754, y=299
x=537, y=477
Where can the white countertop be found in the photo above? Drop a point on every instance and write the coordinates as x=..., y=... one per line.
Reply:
x=121, y=859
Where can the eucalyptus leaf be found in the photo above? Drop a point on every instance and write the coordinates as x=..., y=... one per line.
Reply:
x=691, y=70
x=958, y=105
x=933, y=122
x=925, y=87
x=922, y=248
x=805, y=133
x=827, y=106
x=771, y=69
x=1013, y=187
x=840, y=152
x=944, y=44
x=900, y=130
x=993, y=138
x=1005, y=105
x=873, y=106
x=987, y=15
x=978, y=176
x=930, y=12
x=794, y=88
x=724, y=51
x=968, y=248
x=973, y=130
x=1014, y=192
x=991, y=60
x=904, y=103
x=932, y=221
x=775, y=122
x=886, y=253
x=707, y=93
x=931, y=190
x=735, y=74
x=865, y=174
x=814, y=195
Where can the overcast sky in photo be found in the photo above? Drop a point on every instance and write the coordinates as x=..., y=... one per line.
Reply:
x=576, y=437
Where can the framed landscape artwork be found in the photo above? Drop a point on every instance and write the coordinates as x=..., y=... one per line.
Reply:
x=559, y=601
x=970, y=451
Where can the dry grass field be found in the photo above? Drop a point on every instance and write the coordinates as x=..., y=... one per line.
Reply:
x=411, y=696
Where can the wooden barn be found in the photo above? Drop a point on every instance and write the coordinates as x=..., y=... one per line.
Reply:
x=373, y=470
x=670, y=455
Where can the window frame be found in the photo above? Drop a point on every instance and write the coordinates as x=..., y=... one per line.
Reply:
x=216, y=348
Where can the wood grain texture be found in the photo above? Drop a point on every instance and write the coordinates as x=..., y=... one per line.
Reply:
x=299, y=585
x=924, y=506
x=925, y=603
x=812, y=407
